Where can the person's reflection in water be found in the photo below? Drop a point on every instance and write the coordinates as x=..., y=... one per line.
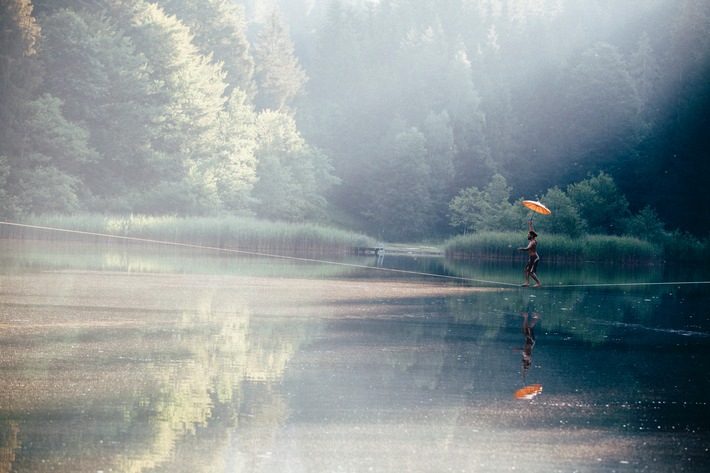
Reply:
x=529, y=332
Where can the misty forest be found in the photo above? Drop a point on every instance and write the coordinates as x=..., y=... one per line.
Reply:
x=403, y=119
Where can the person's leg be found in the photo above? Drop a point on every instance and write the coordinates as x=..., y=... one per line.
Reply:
x=533, y=268
x=534, y=276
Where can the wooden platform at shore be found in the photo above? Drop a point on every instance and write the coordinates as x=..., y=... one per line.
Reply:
x=364, y=250
x=396, y=250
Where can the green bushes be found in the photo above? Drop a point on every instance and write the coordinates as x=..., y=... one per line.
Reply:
x=219, y=232
x=602, y=248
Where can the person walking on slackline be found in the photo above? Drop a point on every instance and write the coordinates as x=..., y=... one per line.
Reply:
x=533, y=258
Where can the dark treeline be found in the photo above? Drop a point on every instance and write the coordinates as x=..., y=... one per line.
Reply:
x=384, y=116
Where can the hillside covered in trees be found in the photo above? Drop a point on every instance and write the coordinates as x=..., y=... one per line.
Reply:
x=405, y=119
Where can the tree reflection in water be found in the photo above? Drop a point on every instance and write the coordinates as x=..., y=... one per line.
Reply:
x=208, y=365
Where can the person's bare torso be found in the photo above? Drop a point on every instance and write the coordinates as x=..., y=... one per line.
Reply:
x=532, y=248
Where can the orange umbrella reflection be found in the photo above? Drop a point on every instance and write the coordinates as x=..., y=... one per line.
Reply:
x=528, y=392
x=536, y=206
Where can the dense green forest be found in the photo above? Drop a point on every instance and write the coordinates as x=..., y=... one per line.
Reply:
x=404, y=119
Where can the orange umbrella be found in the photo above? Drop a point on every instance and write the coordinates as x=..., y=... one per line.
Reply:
x=536, y=206
x=528, y=392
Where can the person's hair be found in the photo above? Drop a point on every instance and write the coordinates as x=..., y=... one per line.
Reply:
x=532, y=233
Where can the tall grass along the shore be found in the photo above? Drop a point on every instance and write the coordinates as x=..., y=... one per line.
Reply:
x=601, y=248
x=218, y=232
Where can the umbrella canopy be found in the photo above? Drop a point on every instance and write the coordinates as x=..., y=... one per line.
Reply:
x=536, y=206
x=528, y=392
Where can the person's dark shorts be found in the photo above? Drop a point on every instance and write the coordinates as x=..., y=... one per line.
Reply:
x=531, y=267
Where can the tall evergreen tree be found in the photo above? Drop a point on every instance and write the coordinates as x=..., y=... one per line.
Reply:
x=463, y=103
x=644, y=70
x=603, y=111
x=279, y=76
x=440, y=151
x=398, y=203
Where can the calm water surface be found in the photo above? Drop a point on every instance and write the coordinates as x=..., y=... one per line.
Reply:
x=132, y=358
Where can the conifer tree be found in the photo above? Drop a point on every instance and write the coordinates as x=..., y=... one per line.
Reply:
x=279, y=76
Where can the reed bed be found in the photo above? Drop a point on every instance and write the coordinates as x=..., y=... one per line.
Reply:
x=600, y=248
x=684, y=247
x=216, y=232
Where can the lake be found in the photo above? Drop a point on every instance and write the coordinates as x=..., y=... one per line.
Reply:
x=143, y=358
